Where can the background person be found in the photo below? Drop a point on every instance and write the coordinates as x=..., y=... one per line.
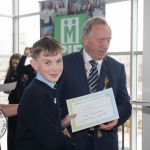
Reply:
x=14, y=96
x=26, y=69
x=53, y=12
x=62, y=10
x=46, y=14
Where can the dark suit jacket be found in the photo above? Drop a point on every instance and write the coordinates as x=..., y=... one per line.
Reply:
x=73, y=83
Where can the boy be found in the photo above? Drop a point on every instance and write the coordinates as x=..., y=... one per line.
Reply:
x=39, y=125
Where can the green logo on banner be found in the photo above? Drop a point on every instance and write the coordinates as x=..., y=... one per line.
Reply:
x=68, y=31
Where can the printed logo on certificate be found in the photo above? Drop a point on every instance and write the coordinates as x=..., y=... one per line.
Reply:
x=92, y=109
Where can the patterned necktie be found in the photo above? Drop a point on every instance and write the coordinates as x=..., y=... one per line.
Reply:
x=93, y=76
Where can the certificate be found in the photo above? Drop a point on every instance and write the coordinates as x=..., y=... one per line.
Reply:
x=8, y=86
x=92, y=109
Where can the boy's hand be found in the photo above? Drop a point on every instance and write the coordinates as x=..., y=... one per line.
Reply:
x=65, y=131
x=66, y=121
x=26, y=51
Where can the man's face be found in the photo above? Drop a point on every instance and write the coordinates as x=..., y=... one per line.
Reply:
x=96, y=45
x=50, y=67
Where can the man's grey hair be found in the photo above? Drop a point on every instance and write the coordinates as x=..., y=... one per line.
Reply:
x=86, y=29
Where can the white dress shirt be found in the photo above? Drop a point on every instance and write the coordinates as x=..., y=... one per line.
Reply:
x=88, y=66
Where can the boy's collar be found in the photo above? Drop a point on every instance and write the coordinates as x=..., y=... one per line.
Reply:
x=39, y=77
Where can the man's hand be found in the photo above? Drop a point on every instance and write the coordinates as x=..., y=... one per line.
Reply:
x=110, y=125
x=26, y=51
x=66, y=121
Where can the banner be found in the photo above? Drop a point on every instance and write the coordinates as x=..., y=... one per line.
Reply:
x=63, y=20
x=67, y=30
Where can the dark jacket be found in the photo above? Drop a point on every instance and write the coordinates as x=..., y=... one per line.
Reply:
x=73, y=83
x=39, y=122
x=15, y=95
x=28, y=70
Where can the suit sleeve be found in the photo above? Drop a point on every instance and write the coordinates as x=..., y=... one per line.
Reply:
x=21, y=68
x=123, y=99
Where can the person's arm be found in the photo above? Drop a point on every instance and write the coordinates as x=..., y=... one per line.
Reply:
x=21, y=68
x=9, y=109
x=123, y=104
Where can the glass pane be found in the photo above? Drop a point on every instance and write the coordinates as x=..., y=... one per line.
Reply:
x=6, y=38
x=139, y=64
x=4, y=62
x=118, y=16
x=126, y=135
x=140, y=26
x=124, y=59
x=139, y=130
x=28, y=6
x=29, y=31
x=6, y=7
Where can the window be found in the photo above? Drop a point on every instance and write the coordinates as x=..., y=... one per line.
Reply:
x=28, y=6
x=4, y=62
x=6, y=7
x=124, y=59
x=139, y=90
x=118, y=17
x=29, y=31
x=6, y=36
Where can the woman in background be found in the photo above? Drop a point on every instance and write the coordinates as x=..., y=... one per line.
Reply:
x=26, y=69
x=62, y=10
x=53, y=12
x=14, y=96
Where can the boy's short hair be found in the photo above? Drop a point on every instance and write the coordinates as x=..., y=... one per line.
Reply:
x=48, y=45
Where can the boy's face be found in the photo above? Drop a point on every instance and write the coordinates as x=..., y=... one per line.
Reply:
x=49, y=67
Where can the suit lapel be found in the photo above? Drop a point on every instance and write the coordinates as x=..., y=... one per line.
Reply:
x=103, y=74
x=81, y=71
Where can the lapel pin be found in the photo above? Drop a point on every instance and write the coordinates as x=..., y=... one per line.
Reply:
x=90, y=89
x=105, y=83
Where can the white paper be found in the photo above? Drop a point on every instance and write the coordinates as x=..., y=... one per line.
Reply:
x=92, y=109
x=8, y=86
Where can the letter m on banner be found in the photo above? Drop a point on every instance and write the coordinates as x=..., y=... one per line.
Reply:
x=68, y=31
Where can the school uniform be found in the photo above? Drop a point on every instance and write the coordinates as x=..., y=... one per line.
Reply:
x=39, y=122
x=14, y=98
